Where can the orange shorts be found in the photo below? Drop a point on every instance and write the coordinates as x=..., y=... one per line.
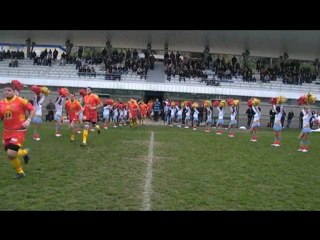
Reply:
x=14, y=137
x=93, y=118
x=74, y=118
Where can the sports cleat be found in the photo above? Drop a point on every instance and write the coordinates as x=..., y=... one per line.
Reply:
x=83, y=144
x=105, y=127
x=20, y=175
x=36, y=137
x=58, y=135
x=79, y=132
x=98, y=130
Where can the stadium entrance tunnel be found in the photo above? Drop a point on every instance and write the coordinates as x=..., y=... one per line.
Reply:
x=153, y=95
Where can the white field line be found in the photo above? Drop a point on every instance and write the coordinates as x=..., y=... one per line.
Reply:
x=146, y=205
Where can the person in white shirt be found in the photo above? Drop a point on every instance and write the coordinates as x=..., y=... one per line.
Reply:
x=125, y=116
x=115, y=116
x=179, y=116
x=188, y=116
x=58, y=114
x=233, y=121
x=172, y=115
x=120, y=118
x=37, y=120
x=220, y=121
x=195, y=118
x=277, y=126
x=106, y=116
x=255, y=123
x=305, y=132
x=209, y=120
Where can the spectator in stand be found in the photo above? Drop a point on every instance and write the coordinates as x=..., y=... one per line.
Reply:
x=152, y=61
x=234, y=61
x=55, y=55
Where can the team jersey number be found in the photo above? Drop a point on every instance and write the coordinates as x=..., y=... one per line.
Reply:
x=7, y=115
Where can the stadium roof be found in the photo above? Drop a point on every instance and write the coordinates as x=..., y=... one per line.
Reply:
x=299, y=44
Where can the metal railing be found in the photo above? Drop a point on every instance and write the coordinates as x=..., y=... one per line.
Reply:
x=74, y=75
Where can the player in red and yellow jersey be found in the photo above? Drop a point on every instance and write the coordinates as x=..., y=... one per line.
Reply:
x=133, y=110
x=73, y=107
x=12, y=110
x=90, y=116
x=143, y=112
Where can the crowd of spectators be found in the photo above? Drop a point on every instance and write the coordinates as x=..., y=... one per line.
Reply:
x=289, y=72
x=11, y=54
x=186, y=67
x=114, y=64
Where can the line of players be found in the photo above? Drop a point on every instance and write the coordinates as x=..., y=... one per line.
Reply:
x=116, y=114
x=83, y=113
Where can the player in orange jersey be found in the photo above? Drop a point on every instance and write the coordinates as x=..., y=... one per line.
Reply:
x=90, y=116
x=73, y=107
x=143, y=111
x=13, y=112
x=134, y=111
